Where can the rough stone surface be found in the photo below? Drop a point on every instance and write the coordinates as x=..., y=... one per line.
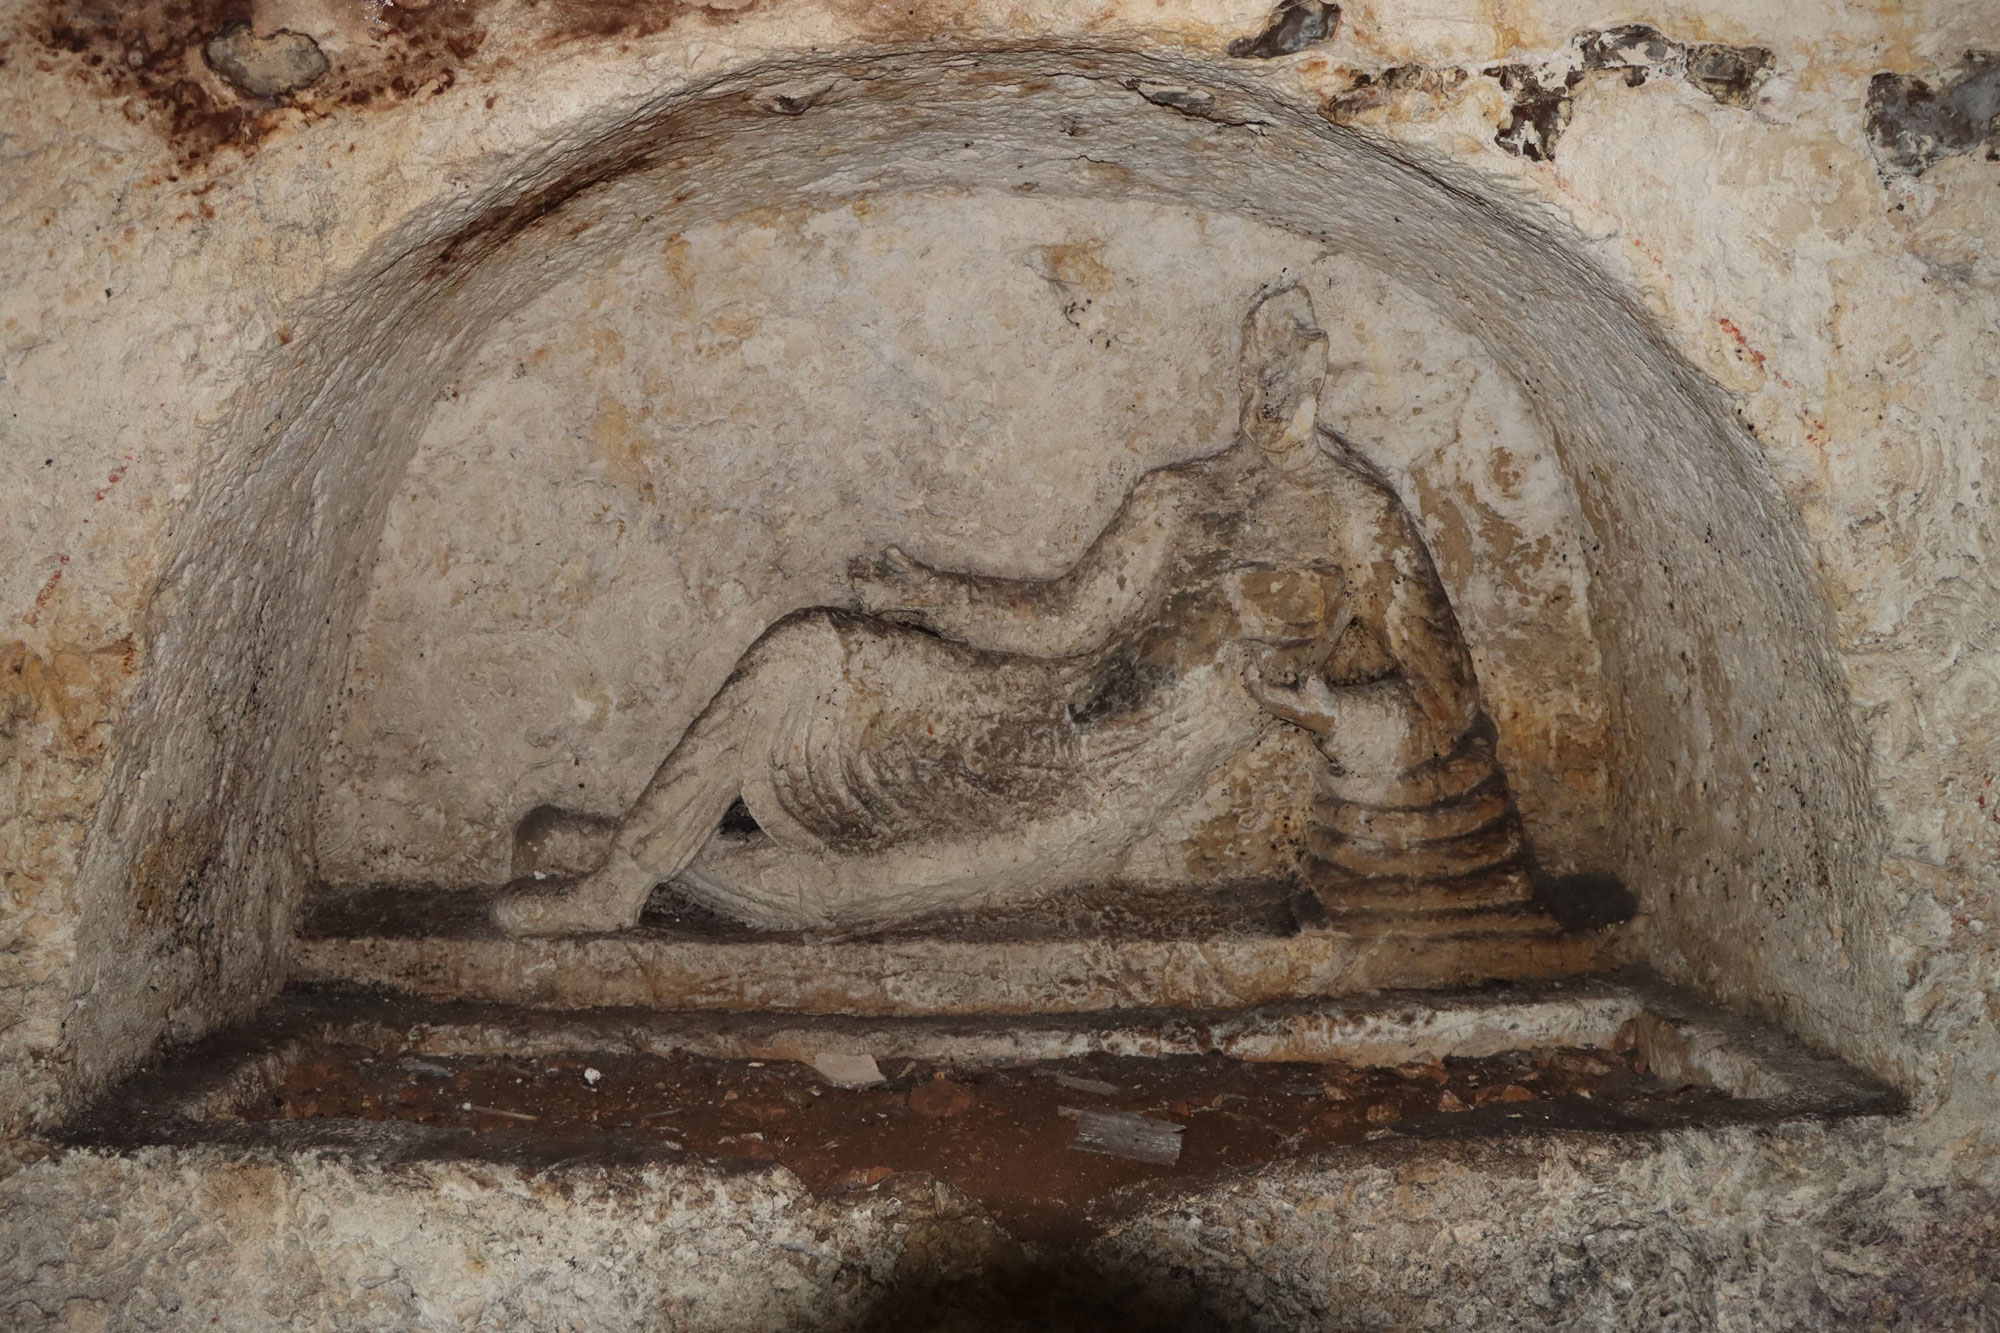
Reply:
x=1766, y=371
x=266, y=66
x=1913, y=125
x=1541, y=1232
x=992, y=970
x=1811, y=1233
x=217, y=1239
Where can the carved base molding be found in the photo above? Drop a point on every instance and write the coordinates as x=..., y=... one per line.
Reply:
x=1240, y=947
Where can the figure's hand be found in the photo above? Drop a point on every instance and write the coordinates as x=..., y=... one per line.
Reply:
x=1372, y=728
x=892, y=585
x=1279, y=690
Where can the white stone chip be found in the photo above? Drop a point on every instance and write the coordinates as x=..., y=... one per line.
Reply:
x=848, y=1071
x=1122, y=1134
x=1096, y=1086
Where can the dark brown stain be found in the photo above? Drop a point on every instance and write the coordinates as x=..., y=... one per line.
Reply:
x=1122, y=684
x=140, y=51
x=1538, y=115
x=1294, y=26
x=500, y=226
x=1627, y=46
x=141, y=54
x=169, y=883
x=1914, y=126
x=148, y=56
x=1368, y=91
x=488, y=233
x=572, y=20
x=1589, y=900
x=1729, y=74
x=1541, y=110
x=997, y=1133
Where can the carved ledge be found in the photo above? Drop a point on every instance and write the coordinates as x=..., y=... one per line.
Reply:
x=1243, y=946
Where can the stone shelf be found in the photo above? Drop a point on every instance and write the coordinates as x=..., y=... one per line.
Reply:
x=1078, y=953
x=1762, y=1077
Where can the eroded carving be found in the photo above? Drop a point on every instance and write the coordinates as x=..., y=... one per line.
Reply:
x=956, y=740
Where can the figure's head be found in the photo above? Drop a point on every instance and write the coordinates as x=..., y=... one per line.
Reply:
x=1284, y=365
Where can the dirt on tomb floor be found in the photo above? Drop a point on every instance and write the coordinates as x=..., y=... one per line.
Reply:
x=1002, y=1134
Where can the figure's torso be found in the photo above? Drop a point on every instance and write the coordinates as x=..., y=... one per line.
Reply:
x=1242, y=573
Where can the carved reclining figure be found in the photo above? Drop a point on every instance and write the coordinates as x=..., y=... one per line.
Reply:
x=964, y=740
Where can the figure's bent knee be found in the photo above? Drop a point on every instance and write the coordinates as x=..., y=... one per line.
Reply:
x=798, y=651
x=800, y=639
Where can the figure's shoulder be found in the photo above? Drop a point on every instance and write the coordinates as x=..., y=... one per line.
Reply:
x=1174, y=483
x=1353, y=478
x=1327, y=483
x=1362, y=510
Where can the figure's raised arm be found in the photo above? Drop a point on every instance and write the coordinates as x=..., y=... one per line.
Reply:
x=1120, y=578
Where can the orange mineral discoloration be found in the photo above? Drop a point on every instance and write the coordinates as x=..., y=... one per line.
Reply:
x=46, y=594
x=69, y=694
x=1742, y=343
x=1748, y=352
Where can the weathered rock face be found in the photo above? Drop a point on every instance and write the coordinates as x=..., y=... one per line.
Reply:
x=1705, y=452
x=284, y=62
x=1814, y=1231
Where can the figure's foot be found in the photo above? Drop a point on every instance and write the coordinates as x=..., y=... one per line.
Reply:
x=608, y=900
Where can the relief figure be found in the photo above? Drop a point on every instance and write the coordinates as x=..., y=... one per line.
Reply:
x=956, y=740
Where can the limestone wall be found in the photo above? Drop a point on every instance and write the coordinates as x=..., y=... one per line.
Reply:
x=1758, y=343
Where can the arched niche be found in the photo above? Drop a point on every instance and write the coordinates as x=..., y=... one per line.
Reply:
x=650, y=463
x=1737, y=780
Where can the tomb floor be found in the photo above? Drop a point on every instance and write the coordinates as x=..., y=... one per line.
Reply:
x=370, y=1160
x=993, y=1109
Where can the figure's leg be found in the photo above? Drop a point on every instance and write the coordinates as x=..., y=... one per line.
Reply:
x=657, y=838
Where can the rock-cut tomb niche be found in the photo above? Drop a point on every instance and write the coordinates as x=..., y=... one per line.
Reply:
x=938, y=551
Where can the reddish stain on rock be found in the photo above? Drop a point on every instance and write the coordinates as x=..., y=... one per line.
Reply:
x=150, y=56
x=46, y=595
